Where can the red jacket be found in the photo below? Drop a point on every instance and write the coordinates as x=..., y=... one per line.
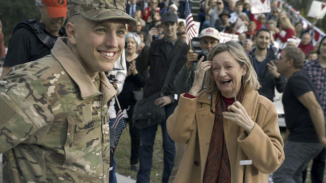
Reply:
x=289, y=34
x=306, y=48
x=147, y=12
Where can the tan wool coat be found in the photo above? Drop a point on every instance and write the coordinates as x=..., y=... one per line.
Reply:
x=192, y=124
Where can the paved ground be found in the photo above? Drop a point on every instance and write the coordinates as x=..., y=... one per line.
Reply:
x=120, y=178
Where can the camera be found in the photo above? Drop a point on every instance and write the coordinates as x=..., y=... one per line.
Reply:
x=111, y=78
x=203, y=53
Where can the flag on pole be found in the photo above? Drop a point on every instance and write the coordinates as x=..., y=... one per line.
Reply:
x=118, y=125
x=190, y=29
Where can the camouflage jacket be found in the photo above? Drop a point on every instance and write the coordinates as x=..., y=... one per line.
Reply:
x=54, y=121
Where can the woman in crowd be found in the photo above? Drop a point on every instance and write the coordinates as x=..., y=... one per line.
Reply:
x=244, y=17
x=298, y=29
x=251, y=30
x=223, y=23
x=227, y=123
x=286, y=33
x=134, y=82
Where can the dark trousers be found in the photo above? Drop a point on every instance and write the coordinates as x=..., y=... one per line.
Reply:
x=297, y=157
x=201, y=19
x=146, y=150
x=317, y=169
x=127, y=102
x=182, y=5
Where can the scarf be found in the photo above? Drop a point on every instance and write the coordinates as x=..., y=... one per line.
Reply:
x=217, y=168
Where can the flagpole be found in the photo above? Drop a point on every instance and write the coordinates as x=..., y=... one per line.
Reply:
x=190, y=42
x=116, y=98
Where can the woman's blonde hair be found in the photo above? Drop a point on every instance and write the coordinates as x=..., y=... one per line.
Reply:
x=286, y=23
x=250, y=79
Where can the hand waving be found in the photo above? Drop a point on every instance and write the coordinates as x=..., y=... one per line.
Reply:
x=202, y=67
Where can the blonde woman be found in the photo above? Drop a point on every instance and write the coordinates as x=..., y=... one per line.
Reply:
x=286, y=33
x=226, y=124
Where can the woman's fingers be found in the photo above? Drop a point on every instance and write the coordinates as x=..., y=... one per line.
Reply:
x=200, y=61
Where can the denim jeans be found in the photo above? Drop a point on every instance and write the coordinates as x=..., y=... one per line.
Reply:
x=182, y=5
x=112, y=178
x=146, y=150
x=297, y=157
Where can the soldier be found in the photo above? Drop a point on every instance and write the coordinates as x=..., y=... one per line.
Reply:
x=54, y=125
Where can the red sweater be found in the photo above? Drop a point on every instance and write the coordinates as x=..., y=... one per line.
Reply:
x=289, y=34
x=306, y=48
x=147, y=12
x=2, y=46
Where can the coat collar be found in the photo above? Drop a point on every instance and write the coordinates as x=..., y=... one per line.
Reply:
x=249, y=101
x=76, y=71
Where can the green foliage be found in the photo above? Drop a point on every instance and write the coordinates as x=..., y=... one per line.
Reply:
x=13, y=12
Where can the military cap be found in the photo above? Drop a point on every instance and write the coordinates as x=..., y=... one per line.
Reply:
x=99, y=10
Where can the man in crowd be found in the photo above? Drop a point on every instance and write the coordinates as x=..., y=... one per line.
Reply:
x=161, y=54
x=263, y=62
x=213, y=10
x=209, y=38
x=304, y=118
x=32, y=40
x=153, y=6
x=132, y=7
x=56, y=127
x=247, y=45
x=238, y=10
x=305, y=44
x=315, y=70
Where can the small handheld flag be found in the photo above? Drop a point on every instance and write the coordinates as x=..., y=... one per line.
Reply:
x=190, y=29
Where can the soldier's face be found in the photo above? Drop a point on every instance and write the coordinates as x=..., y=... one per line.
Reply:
x=98, y=44
x=52, y=25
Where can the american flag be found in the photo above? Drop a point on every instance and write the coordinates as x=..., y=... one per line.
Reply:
x=190, y=29
x=118, y=126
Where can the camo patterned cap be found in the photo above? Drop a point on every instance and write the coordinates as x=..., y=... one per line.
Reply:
x=99, y=10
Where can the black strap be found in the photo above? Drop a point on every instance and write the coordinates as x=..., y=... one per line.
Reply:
x=38, y=29
x=171, y=69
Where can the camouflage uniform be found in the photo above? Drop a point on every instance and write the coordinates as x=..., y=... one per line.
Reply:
x=54, y=122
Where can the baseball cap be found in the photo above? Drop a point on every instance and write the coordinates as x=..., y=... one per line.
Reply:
x=99, y=10
x=169, y=17
x=210, y=32
x=56, y=8
x=174, y=7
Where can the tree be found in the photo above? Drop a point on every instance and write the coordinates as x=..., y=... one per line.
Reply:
x=13, y=12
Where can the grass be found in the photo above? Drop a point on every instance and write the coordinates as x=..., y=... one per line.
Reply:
x=122, y=157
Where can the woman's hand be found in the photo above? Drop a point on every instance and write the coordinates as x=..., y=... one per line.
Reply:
x=163, y=101
x=132, y=67
x=238, y=114
x=202, y=67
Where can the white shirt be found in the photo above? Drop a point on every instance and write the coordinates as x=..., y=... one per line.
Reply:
x=120, y=75
x=233, y=17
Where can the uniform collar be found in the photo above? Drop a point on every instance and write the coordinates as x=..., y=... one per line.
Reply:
x=76, y=71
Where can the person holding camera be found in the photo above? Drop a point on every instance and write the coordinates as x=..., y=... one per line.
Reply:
x=209, y=38
x=161, y=55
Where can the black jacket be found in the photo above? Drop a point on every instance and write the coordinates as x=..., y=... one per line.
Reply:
x=159, y=61
x=138, y=7
x=267, y=80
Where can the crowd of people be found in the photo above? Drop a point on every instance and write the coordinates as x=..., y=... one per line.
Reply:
x=66, y=76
